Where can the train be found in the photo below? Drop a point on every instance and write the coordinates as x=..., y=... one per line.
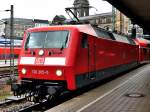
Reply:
x=5, y=49
x=68, y=57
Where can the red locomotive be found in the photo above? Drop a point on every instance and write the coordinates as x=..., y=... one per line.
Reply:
x=68, y=57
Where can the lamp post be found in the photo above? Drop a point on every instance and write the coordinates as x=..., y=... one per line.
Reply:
x=113, y=18
x=5, y=41
x=11, y=39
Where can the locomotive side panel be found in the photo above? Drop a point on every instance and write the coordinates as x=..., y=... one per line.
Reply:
x=109, y=53
x=130, y=53
x=103, y=58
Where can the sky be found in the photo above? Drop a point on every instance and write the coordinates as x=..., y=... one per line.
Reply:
x=46, y=9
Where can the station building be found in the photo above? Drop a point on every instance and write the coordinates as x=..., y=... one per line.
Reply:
x=20, y=25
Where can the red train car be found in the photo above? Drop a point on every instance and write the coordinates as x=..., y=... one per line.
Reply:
x=69, y=57
x=144, y=49
x=5, y=53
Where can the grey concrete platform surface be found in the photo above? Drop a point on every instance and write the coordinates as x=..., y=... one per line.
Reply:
x=114, y=95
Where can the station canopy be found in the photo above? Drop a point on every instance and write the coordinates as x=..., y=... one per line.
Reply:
x=137, y=10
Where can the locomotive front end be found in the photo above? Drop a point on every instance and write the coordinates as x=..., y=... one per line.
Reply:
x=43, y=64
x=44, y=55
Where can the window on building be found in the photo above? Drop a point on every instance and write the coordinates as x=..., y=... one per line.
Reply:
x=108, y=20
x=104, y=20
x=100, y=21
x=97, y=21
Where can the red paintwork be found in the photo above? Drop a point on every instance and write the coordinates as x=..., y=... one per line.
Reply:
x=144, y=50
x=6, y=51
x=69, y=53
x=103, y=54
x=142, y=42
x=109, y=53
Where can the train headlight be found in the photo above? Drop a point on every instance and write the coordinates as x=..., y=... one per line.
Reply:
x=41, y=52
x=24, y=71
x=59, y=72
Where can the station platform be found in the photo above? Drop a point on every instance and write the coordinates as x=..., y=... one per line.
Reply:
x=5, y=63
x=128, y=93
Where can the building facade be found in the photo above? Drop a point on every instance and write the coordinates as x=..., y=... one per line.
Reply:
x=20, y=25
x=2, y=27
x=40, y=23
x=114, y=20
x=122, y=23
x=103, y=20
x=81, y=8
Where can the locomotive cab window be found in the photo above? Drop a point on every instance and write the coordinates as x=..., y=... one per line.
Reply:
x=84, y=42
x=47, y=39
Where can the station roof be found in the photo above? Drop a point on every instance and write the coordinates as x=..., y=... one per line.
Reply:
x=137, y=10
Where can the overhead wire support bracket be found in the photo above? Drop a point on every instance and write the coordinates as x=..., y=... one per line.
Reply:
x=69, y=10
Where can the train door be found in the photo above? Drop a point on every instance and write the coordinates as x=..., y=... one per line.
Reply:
x=91, y=57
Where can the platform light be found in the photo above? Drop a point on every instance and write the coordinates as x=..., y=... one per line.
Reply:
x=24, y=71
x=59, y=72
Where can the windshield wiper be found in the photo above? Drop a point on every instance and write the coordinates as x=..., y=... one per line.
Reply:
x=62, y=47
x=64, y=43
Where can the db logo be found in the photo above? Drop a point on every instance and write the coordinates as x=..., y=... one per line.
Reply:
x=39, y=61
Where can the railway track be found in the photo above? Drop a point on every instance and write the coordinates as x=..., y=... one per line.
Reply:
x=5, y=72
x=9, y=105
x=13, y=105
x=4, y=75
x=20, y=105
x=23, y=105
